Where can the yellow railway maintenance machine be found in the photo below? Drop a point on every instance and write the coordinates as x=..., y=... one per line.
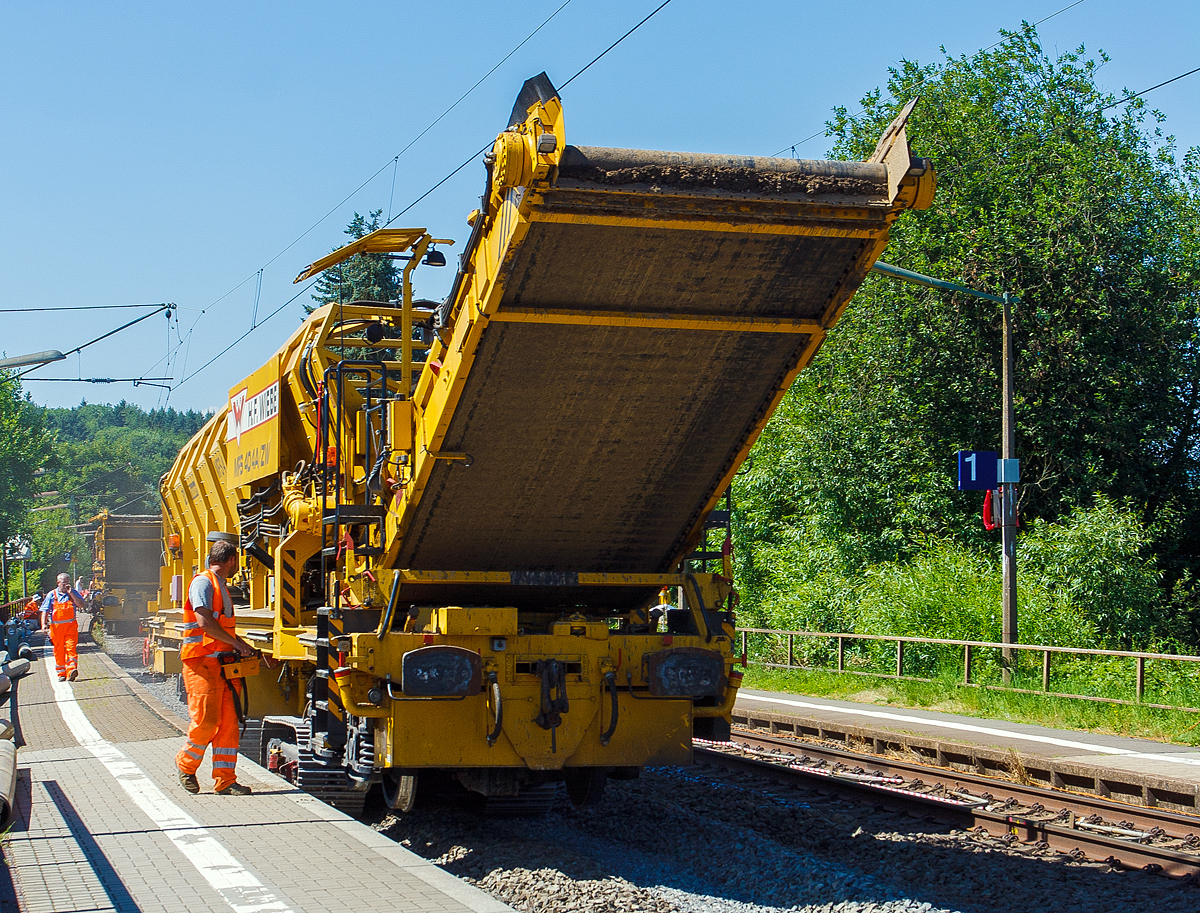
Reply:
x=458, y=518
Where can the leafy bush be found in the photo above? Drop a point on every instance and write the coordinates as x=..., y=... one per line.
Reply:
x=1082, y=582
x=1095, y=563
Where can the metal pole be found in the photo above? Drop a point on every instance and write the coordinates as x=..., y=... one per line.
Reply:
x=24, y=581
x=1008, y=502
x=1008, y=490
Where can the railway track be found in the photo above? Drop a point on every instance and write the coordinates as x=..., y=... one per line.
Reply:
x=1130, y=837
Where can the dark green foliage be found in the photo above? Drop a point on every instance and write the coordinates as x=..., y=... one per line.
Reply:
x=113, y=456
x=24, y=445
x=1085, y=216
x=97, y=457
x=365, y=277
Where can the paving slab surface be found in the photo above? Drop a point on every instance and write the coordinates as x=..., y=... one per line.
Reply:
x=102, y=824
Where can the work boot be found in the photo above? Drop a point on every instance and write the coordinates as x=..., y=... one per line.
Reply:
x=62, y=678
x=189, y=782
x=74, y=675
x=234, y=789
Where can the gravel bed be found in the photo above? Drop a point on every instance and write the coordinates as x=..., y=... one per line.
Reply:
x=706, y=840
x=127, y=653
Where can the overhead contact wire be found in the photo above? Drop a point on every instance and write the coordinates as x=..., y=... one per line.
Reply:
x=244, y=335
x=483, y=149
x=861, y=113
x=1151, y=89
x=394, y=159
x=614, y=44
x=464, y=164
x=78, y=307
x=950, y=172
x=123, y=326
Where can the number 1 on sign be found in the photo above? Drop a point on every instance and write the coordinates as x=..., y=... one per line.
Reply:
x=976, y=470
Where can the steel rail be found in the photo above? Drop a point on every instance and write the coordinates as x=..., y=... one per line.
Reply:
x=1130, y=837
x=1142, y=817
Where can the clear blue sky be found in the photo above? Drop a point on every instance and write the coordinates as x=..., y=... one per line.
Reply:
x=166, y=152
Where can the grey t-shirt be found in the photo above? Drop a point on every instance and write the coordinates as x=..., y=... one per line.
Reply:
x=201, y=594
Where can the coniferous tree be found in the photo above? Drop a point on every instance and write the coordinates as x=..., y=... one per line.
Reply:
x=366, y=277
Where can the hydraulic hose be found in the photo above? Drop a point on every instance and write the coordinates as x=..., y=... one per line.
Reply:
x=610, y=679
x=494, y=687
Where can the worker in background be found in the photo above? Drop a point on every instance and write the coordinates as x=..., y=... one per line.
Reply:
x=32, y=616
x=58, y=619
x=208, y=629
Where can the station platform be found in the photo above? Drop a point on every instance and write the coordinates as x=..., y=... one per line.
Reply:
x=103, y=825
x=1138, y=771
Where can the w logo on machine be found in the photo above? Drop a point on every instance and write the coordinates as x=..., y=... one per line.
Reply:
x=246, y=412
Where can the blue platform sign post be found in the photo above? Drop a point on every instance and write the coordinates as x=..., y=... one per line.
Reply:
x=970, y=471
x=977, y=470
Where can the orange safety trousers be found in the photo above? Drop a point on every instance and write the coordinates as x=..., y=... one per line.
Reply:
x=65, y=637
x=214, y=720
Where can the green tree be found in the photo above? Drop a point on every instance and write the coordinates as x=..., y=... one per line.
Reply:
x=103, y=457
x=25, y=444
x=366, y=277
x=1050, y=190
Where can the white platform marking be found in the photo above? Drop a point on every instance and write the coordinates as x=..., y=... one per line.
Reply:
x=984, y=730
x=238, y=886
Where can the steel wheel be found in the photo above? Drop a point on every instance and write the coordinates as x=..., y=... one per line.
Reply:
x=399, y=791
x=585, y=787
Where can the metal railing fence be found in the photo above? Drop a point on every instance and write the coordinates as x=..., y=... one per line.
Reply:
x=860, y=650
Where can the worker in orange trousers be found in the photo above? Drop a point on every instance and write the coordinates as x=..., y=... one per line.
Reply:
x=208, y=628
x=58, y=619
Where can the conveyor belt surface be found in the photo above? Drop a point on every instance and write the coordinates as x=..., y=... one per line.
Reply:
x=652, y=310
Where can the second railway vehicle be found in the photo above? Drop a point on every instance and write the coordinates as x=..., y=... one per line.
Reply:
x=125, y=570
x=459, y=519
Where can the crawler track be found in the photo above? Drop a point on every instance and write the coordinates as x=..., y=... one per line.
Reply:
x=1131, y=837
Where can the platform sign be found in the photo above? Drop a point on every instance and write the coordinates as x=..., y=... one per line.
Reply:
x=977, y=470
x=252, y=427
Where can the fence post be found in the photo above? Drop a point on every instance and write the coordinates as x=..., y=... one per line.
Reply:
x=1045, y=670
x=899, y=658
x=1141, y=678
x=967, y=664
x=743, y=643
x=791, y=648
x=841, y=654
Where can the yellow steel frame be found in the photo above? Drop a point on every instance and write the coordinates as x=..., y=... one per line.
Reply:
x=648, y=320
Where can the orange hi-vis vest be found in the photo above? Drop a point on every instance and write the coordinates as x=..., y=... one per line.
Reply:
x=196, y=644
x=62, y=609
